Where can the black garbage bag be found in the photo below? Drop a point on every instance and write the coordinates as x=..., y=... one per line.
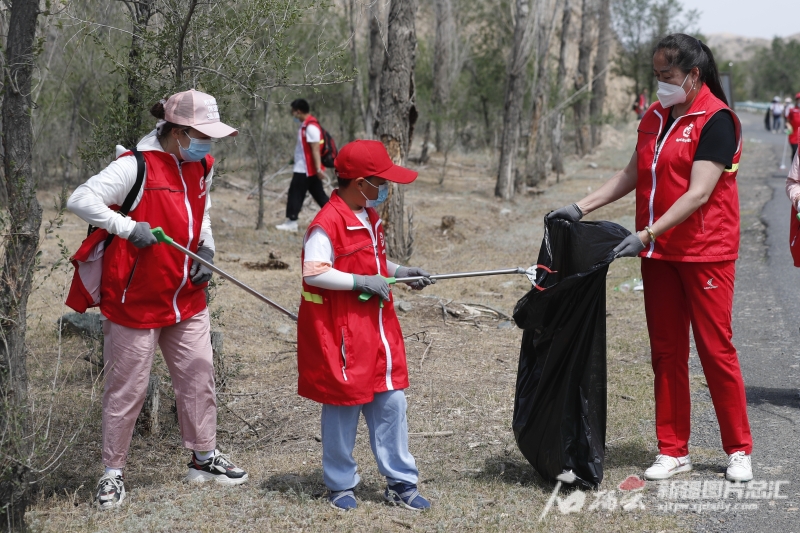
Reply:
x=560, y=403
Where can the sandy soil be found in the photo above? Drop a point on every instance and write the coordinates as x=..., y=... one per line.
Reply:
x=462, y=371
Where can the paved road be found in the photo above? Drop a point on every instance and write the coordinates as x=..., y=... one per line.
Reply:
x=765, y=324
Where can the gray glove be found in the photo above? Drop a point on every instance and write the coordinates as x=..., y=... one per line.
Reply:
x=199, y=272
x=630, y=246
x=410, y=272
x=372, y=285
x=571, y=212
x=141, y=236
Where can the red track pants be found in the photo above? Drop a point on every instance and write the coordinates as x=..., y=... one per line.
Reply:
x=675, y=295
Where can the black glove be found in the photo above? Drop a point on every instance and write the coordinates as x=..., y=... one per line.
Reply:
x=630, y=246
x=411, y=272
x=372, y=285
x=141, y=236
x=571, y=212
x=199, y=272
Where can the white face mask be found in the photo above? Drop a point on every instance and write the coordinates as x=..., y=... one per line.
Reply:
x=669, y=94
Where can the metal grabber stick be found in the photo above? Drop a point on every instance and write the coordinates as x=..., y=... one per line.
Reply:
x=163, y=237
x=529, y=272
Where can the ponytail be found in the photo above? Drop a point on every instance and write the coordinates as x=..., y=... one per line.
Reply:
x=163, y=128
x=686, y=52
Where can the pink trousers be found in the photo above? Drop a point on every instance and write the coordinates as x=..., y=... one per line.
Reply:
x=128, y=355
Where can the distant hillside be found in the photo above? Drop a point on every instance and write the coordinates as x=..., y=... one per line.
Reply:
x=738, y=48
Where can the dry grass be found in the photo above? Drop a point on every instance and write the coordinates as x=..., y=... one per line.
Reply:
x=476, y=478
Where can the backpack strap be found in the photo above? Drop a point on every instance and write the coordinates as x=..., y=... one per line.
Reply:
x=204, y=162
x=137, y=186
x=134, y=192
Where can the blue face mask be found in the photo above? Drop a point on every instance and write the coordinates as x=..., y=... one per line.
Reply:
x=383, y=194
x=198, y=149
x=297, y=120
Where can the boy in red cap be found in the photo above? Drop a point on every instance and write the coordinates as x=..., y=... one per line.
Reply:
x=350, y=353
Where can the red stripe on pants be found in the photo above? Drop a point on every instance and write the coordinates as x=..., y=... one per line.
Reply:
x=677, y=294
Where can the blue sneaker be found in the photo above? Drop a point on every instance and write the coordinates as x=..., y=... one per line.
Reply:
x=342, y=499
x=406, y=496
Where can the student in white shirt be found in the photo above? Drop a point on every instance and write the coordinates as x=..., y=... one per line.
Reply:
x=308, y=169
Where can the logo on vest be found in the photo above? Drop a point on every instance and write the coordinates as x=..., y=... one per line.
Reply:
x=687, y=131
x=710, y=284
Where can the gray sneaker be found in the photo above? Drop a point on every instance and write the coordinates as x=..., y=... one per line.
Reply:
x=110, y=492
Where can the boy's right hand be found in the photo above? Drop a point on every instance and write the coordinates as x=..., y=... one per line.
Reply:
x=372, y=285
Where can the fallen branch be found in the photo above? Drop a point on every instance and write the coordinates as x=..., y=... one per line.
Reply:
x=231, y=411
x=432, y=434
x=422, y=359
x=499, y=313
x=401, y=523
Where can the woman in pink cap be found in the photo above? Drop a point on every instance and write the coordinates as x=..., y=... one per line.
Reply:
x=153, y=295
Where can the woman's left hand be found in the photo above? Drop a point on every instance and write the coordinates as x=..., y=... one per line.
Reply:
x=199, y=272
x=631, y=246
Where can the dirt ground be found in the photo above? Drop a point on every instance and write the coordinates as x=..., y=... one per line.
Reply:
x=462, y=364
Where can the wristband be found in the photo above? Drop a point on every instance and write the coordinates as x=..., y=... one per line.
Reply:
x=649, y=231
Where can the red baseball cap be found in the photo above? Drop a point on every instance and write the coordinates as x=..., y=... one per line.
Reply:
x=362, y=159
x=797, y=96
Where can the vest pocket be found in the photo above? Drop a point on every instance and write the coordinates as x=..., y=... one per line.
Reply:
x=130, y=278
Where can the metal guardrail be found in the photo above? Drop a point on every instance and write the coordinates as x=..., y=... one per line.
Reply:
x=753, y=107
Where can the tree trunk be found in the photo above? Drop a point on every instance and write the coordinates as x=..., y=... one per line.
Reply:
x=258, y=138
x=356, y=103
x=21, y=244
x=536, y=156
x=376, y=53
x=141, y=11
x=442, y=48
x=582, y=77
x=181, y=42
x=600, y=74
x=561, y=91
x=512, y=105
x=397, y=115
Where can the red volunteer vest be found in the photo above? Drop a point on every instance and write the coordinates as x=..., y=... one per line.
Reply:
x=712, y=232
x=311, y=169
x=793, y=118
x=150, y=288
x=348, y=350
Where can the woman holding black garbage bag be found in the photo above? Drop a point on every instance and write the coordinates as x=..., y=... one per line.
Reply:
x=687, y=215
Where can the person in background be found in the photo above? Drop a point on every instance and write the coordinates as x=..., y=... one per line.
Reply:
x=793, y=123
x=152, y=295
x=640, y=106
x=787, y=106
x=350, y=353
x=308, y=171
x=777, y=114
x=687, y=210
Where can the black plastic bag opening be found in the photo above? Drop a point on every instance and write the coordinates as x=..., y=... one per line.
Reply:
x=560, y=402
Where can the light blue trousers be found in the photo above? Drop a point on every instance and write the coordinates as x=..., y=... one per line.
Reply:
x=388, y=436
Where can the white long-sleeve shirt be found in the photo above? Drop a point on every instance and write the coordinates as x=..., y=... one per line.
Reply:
x=111, y=185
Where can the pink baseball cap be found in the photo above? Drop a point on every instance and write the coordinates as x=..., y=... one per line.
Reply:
x=362, y=159
x=199, y=111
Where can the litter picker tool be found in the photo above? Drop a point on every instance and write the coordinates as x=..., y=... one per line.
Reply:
x=530, y=273
x=163, y=237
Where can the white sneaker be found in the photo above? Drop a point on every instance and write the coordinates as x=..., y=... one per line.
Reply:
x=289, y=225
x=666, y=466
x=739, y=467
